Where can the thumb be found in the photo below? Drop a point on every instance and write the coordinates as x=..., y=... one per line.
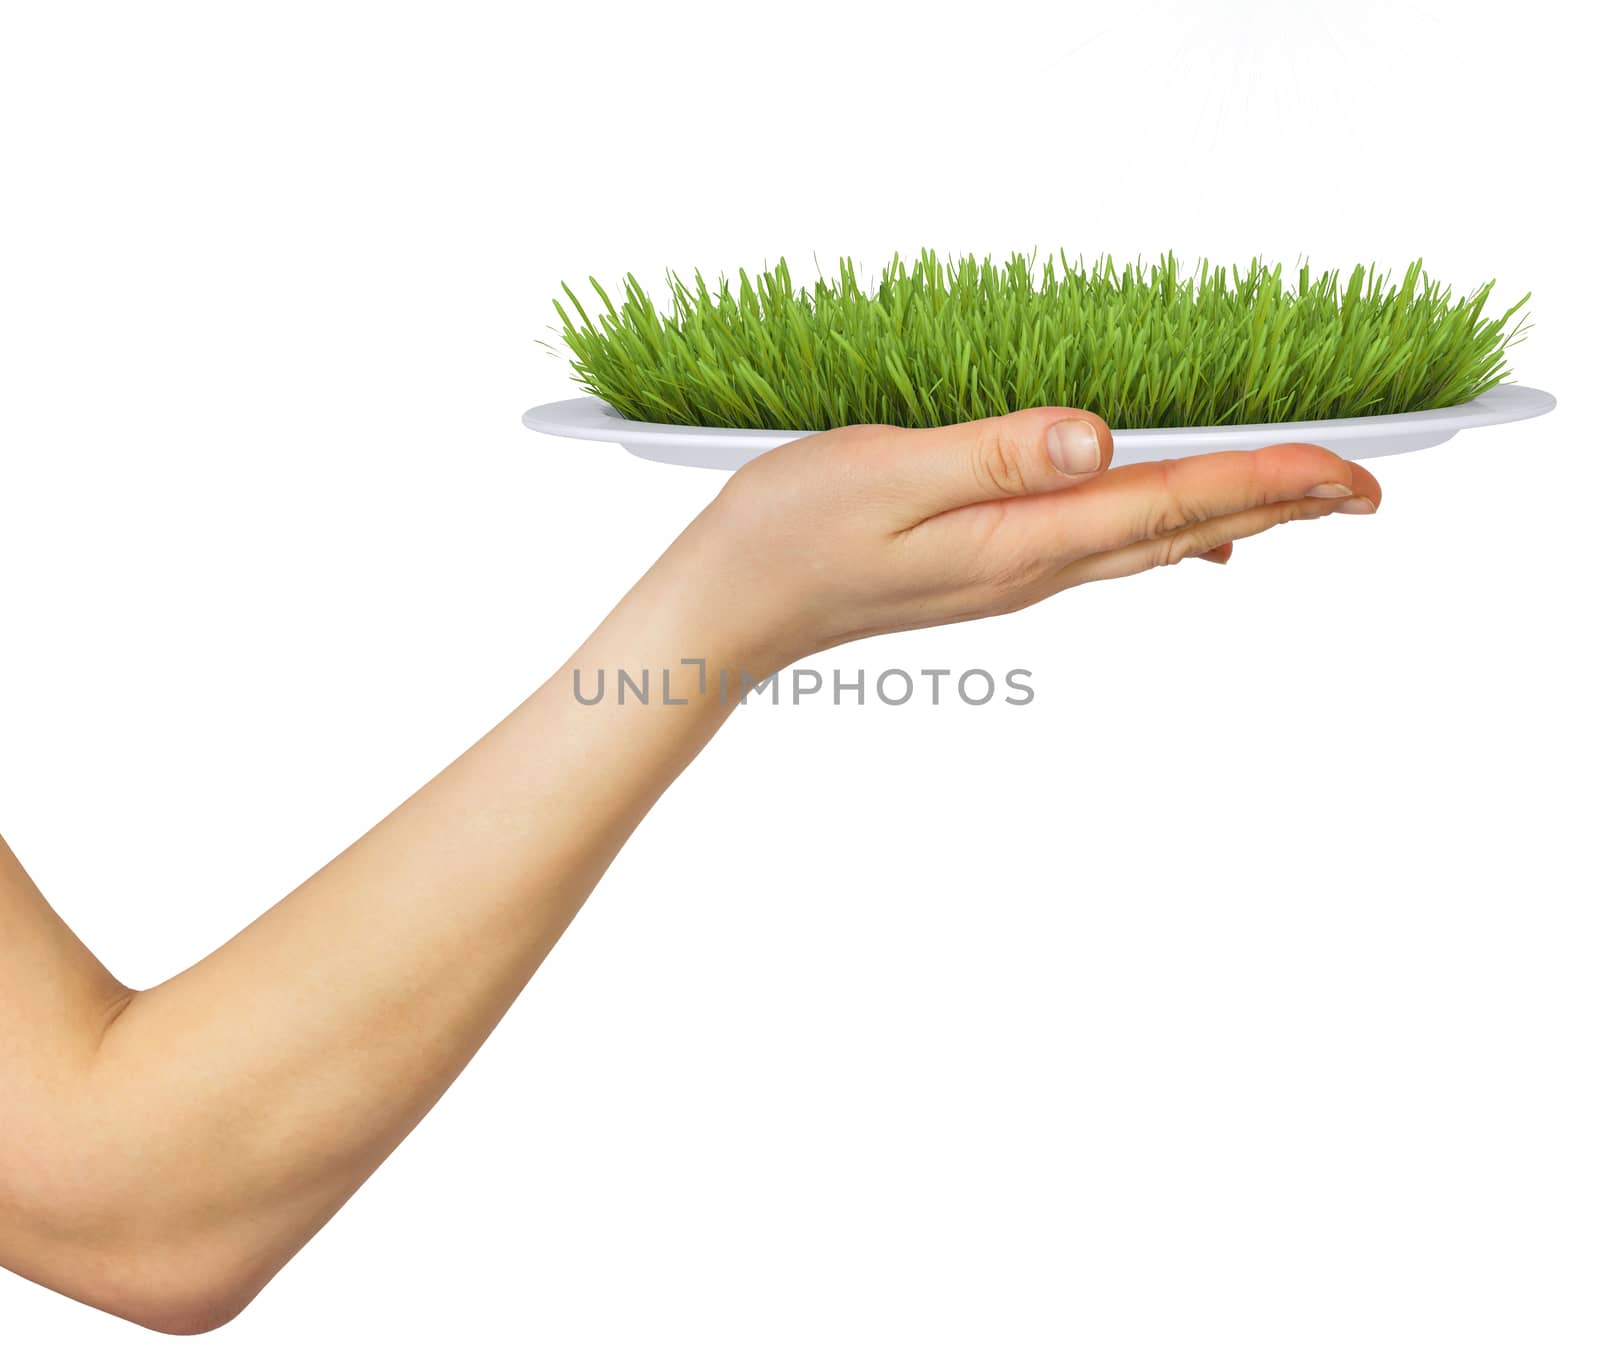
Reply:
x=1039, y=450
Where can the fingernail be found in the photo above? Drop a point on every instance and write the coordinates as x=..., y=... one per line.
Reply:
x=1074, y=447
x=1357, y=507
x=1329, y=490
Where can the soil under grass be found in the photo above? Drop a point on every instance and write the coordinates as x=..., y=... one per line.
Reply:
x=938, y=341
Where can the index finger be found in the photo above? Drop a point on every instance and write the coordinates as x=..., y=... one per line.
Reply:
x=1160, y=498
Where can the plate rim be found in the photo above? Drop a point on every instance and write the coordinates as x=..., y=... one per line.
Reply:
x=587, y=417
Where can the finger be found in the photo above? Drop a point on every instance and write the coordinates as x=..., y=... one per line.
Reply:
x=1039, y=450
x=1221, y=555
x=1149, y=502
x=1191, y=541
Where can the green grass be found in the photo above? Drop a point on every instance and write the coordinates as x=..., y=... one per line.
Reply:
x=939, y=341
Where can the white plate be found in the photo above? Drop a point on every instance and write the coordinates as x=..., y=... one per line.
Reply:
x=1355, y=438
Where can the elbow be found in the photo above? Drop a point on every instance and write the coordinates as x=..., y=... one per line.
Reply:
x=188, y=1318
x=171, y=1294
x=176, y=1280
x=184, y=1308
x=131, y=1242
x=94, y=1209
x=175, y=1285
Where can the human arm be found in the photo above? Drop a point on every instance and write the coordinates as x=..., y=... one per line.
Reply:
x=164, y=1152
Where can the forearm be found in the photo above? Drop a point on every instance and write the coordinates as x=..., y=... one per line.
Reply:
x=238, y=1105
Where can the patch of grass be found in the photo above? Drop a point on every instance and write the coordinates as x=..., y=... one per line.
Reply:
x=940, y=341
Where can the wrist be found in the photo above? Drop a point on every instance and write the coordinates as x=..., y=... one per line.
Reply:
x=726, y=611
x=680, y=640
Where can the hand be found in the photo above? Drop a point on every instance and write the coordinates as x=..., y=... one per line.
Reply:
x=870, y=529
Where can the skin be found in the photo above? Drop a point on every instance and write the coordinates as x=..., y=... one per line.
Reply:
x=164, y=1152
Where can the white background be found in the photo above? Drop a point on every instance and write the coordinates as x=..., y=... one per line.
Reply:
x=1233, y=1002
